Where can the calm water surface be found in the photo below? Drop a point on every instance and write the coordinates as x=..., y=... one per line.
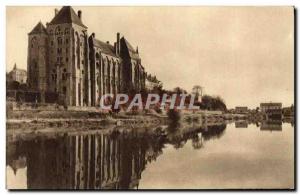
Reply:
x=236, y=155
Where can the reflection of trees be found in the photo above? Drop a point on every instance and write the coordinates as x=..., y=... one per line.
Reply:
x=179, y=137
x=173, y=128
x=197, y=142
x=214, y=131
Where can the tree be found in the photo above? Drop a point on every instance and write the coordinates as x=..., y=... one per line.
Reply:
x=257, y=109
x=197, y=90
x=179, y=90
x=213, y=103
x=13, y=85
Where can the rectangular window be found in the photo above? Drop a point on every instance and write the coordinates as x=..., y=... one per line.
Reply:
x=67, y=41
x=67, y=59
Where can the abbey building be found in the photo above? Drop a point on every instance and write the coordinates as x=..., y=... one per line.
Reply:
x=63, y=58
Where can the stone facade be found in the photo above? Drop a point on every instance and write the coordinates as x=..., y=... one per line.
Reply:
x=63, y=58
x=17, y=74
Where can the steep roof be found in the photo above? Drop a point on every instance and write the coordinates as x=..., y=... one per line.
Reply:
x=67, y=15
x=18, y=70
x=39, y=28
x=105, y=47
x=132, y=52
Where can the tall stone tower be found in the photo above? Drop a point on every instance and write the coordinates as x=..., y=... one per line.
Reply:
x=68, y=57
x=37, y=58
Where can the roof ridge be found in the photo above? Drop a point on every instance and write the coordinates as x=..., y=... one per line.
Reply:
x=132, y=52
x=67, y=15
x=106, y=47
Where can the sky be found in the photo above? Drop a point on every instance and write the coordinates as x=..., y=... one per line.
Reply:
x=243, y=54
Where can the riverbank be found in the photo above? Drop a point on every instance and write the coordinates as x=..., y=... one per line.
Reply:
x=85, y=119
x=88, y=119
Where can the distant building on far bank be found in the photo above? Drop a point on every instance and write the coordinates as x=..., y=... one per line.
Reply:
x=151, y=82
x=241, y=110
x=16, y=74
x=271, y=109
x=288, y=111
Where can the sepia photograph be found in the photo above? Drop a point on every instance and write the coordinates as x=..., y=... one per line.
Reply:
x=150, y=97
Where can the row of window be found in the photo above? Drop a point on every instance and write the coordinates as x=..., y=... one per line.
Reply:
x=59, y=31
x=60, y=60
x=54, y=75
x=60, y=41
x=59, y=50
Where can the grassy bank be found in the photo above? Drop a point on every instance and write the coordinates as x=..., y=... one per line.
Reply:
x=66, y=119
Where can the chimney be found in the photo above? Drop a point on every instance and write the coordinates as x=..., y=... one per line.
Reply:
x=118, y=49
x=55, y=11
x=137, y=49
x=115, y=47
x=79, y=14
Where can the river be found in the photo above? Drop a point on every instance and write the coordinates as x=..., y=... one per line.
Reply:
x=237, y=155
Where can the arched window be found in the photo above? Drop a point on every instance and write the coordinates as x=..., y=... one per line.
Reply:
x=57, y=30
x=97, y=56
x=33, y=42
x=54, y=76
x=98, y=79
x=67, y=31
x=108, y=67
x=59, y=40
x=64, y=75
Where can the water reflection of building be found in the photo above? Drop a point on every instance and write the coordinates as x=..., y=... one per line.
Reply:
x=271, y=125
x=241, y=124
x=241, y=110
x=98, y=160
